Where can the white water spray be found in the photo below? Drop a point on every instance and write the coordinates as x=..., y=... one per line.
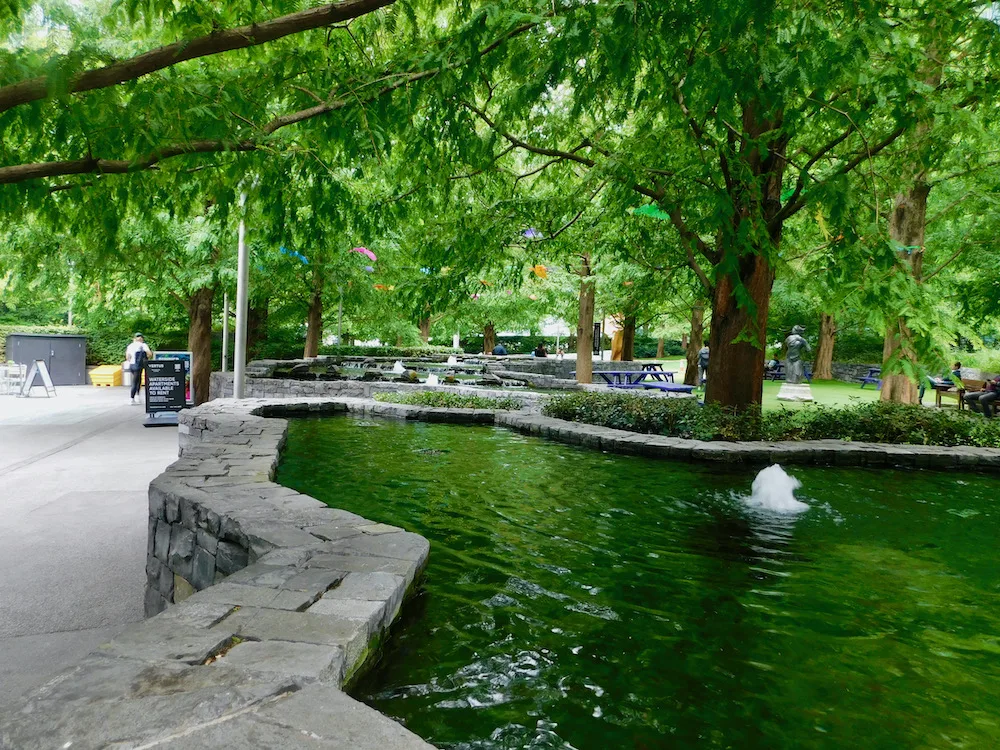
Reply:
x=432, y=379
x=398, y=368
x=774, y=490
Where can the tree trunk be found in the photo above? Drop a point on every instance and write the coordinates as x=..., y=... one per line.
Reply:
x=314, y=318
x=739, y=325
x=256, y=326
x=823, y=367
x=684, y=341
x=694, y=341
x=659, y=348
x=425, y=329
x=585, y=325
x=399, y=340
x=200, y=341
x=736, y=339
x=628, y=339
x=906, y=229
x=489, y=338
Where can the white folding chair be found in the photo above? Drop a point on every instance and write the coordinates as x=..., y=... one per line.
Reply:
x=16, y=373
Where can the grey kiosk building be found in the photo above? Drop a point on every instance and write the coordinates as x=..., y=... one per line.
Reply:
x=65, y=355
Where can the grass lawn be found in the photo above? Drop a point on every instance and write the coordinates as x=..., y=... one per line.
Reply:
x=824, y=392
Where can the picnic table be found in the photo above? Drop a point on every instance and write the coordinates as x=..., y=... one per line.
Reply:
x=634, y=377
x=873, y=377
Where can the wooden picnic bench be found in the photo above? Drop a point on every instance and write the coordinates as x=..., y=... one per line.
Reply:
x=968, y=385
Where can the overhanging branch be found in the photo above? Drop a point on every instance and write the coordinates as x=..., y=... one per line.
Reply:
x=215, y=43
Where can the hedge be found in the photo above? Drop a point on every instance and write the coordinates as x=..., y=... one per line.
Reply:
x=450, y=400
x=876, y=422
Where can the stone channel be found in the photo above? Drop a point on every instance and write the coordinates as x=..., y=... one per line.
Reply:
x=264, y=603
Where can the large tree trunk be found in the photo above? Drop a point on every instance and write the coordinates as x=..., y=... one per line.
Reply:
x=200, y=341
x=736, y=339
x=906, y=228
x=314, y=318
x=489, y=338
x=823, y=367
x=425, y=329
x=256, y=325
x=695, y=340
x=628, y=339
x=660, y=348
x=739, y=327
x=585, y=325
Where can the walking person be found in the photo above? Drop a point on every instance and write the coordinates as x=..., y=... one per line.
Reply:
x=703, y=364
x=136, y=355
x=982, y=401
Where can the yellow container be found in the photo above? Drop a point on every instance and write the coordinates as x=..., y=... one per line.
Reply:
x=107, y=375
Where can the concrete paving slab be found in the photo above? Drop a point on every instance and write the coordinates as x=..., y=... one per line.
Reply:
x=74, y=472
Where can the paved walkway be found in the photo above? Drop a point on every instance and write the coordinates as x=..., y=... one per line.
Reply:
x=74, y=472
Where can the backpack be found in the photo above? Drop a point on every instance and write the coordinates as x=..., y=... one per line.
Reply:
x=139, y=360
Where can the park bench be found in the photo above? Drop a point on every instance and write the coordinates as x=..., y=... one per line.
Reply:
x=968, y=385
x=655, y=386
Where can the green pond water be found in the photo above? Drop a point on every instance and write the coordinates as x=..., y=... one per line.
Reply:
x=576, y=599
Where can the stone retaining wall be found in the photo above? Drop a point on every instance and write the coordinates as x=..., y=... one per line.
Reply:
x=221, y=386
x=849, y=372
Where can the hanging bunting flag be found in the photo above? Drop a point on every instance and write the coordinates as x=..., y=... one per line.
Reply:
x=532, y=234
x=540, y=271
x=366, y=252
x=484, y=282
x=652, y=211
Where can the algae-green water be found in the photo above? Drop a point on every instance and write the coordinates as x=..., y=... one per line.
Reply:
x=576, y=599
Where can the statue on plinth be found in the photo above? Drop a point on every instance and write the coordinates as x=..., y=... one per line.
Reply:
x=794, y=366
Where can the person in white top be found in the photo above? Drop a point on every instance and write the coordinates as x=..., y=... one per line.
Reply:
x=136, y=355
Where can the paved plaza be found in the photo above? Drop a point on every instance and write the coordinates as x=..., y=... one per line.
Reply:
x=74, y=473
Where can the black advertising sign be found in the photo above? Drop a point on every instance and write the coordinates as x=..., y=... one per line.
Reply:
x=165, y=385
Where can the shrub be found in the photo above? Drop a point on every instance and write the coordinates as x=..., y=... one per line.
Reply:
x=450, y=400
x=876, y=422
x=385, y=351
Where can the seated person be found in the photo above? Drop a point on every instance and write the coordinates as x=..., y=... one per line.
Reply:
x=982, y=401
x=499, y=350
x=540, y=351
x=954, y=378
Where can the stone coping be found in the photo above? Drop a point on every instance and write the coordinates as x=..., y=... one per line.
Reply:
x=274, y=601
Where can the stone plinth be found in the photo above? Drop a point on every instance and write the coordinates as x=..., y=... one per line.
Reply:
x=795, y=392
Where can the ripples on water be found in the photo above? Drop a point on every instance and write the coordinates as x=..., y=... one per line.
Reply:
x=580, y=600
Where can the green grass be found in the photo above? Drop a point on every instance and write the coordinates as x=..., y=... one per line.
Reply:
x=824, y=393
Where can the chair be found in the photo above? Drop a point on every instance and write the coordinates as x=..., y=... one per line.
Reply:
x=16, y=373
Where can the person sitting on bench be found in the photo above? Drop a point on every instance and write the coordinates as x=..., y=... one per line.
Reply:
x=983, y=400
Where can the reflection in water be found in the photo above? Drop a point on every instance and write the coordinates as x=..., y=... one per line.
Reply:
x=575, y=599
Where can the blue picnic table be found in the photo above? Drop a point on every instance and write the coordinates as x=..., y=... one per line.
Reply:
x=874, y=377
x=634, y=377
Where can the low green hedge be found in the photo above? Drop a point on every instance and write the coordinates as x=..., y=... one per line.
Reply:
x=450, y=400
x=386, y=351
x=875, y=422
